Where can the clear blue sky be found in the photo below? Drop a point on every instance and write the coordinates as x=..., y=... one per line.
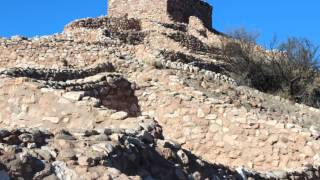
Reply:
x=283, y=17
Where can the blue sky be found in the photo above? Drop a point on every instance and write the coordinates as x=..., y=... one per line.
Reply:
x=283, y=17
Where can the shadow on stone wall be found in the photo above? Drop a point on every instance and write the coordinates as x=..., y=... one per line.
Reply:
x=180, y=11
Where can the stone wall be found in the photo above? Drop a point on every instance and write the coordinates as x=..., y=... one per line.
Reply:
x=163, y=10
x=92, y=77
x=112, y=24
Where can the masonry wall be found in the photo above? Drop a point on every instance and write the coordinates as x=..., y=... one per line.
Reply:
x=150, y=9
x=162, y=10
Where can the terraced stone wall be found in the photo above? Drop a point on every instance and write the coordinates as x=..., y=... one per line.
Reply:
x=54, y=51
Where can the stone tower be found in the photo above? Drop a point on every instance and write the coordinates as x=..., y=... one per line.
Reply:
x=162, y=10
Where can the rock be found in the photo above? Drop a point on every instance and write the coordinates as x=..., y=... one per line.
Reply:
x=65, y=135
x=74, y=96
x=168, y=144
x=273, y=139
x=12, y=139
x=106, y=148
x=211, y=117
x=278, y=174
x=200, y=113
x=146, y=137
x=63, y=172
x=26, y=138
x=136, y=142
x=51, y=177
x=115, y=137
x=101, y=137
x=54, y=120
x=67, y=154
x=84, y=161
x=183, y=157
x=4, y=133
x=260, y=158
x=52, y=151
x=88, y=133
x=308, y=151
x=31, y=145
x=121, y=115
x=315, y=131
x=148, y=126
x=196, y=176
x=241, y=172
x=44, y=154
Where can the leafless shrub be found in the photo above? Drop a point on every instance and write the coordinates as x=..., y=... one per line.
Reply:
x=290, y=71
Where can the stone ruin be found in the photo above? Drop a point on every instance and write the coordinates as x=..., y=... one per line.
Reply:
x=163, y=10
x=143, y=97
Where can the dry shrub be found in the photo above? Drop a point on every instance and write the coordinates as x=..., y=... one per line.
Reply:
x=290, y=69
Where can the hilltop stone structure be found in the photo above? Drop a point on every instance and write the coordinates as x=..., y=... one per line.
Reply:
x=162, y=10
x=144, y=96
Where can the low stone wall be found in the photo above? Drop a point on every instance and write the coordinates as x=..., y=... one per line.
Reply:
x=191, y=60
x=195, y=69
x=110, y=90
x=56, y=51
x=175, y=26
x=113, y=24
x=63, y=74
x=129, y=37
x=192, y=43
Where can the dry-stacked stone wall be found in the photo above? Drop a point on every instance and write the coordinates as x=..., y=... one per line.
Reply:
x=63, y=74
x=127, y=30
x=53, y=51
x=188, y=59
x=111, y=90
x=114, y=24
x=223, y=125
x=175, y=26
x=191, y=42
x=180, y=62
x=84, y=42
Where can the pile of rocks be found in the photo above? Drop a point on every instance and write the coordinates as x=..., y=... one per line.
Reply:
x=67, y=154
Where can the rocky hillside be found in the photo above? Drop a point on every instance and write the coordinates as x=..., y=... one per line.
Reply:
x=124, y=98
